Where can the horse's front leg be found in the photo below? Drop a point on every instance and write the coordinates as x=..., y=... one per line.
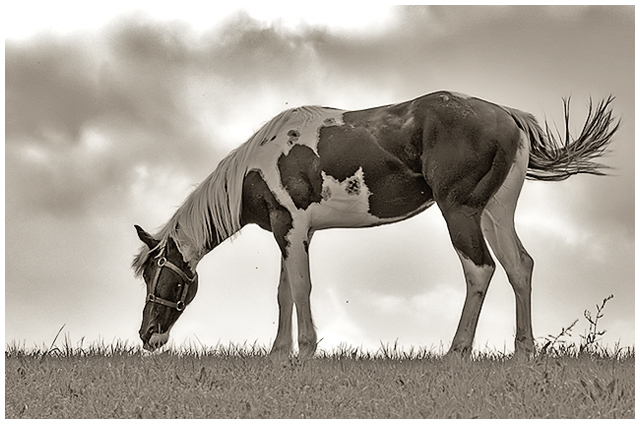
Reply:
x=296, y=268
x=293, y=238
x=283, y=343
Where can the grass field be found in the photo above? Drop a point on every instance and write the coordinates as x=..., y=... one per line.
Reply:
x=121, y=381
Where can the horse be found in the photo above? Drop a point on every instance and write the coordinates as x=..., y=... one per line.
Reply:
x=311, y=168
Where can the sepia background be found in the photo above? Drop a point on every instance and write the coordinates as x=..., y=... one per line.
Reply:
x=114, y=112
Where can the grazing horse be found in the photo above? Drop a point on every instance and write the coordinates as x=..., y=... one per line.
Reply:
x=314, y=167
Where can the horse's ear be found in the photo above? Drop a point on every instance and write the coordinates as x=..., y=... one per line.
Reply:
x=146, y=237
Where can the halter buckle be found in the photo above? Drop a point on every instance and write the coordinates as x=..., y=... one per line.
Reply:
x=180, y=306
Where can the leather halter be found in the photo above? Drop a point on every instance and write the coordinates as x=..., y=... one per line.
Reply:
x=164, y=262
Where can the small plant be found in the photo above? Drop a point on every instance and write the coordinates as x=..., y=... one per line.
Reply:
x=553, y=343
x=589, y=342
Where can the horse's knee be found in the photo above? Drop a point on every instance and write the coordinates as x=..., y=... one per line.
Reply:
x=527, y=261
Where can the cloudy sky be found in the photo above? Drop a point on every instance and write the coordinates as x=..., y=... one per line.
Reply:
x=114, y=114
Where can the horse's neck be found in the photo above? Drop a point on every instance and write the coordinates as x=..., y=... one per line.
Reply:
x=191, y=253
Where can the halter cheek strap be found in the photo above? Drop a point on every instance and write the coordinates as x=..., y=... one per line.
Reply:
x=180, y=304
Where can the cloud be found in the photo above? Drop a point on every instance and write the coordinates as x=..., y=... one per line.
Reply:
x=80, y=115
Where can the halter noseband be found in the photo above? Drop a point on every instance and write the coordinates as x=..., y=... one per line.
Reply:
x=163, y=262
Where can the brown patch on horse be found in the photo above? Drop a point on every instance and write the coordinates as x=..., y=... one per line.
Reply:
x=266, y=140
x=353, y=186
x=469, y=149
x=294, y=136
x=385, y=143
x=260, y=206
x=301, y=176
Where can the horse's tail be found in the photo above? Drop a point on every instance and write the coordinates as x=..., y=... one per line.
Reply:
x=556, y=158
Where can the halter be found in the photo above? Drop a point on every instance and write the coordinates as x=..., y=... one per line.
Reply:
x=163, y=262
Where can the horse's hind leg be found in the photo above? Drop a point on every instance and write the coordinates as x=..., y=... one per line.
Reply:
x=499, y=230
x=466, y=235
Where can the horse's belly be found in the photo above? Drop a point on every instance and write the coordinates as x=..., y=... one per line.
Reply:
x=346, y=204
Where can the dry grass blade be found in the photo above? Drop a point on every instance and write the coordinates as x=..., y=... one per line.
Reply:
x=51, y=348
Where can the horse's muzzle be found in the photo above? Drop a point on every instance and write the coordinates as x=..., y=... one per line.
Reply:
x=153, y=338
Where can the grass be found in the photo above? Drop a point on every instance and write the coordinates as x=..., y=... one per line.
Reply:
x=563, y=380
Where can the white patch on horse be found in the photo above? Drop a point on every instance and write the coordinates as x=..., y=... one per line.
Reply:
x=301, y=128
x=477, y=279
x=344, y=204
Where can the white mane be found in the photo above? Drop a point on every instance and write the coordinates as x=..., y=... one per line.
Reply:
x=211, y=213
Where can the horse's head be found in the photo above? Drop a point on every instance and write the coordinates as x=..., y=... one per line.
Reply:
x=171, y=286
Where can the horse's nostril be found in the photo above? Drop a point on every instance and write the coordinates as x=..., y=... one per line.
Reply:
x=145, y=334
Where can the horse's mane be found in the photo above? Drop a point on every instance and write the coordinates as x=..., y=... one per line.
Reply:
x=211, y=213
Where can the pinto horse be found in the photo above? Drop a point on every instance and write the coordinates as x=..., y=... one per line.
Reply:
x=311, y=168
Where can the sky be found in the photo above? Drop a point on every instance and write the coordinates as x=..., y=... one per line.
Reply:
x=114, y=112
